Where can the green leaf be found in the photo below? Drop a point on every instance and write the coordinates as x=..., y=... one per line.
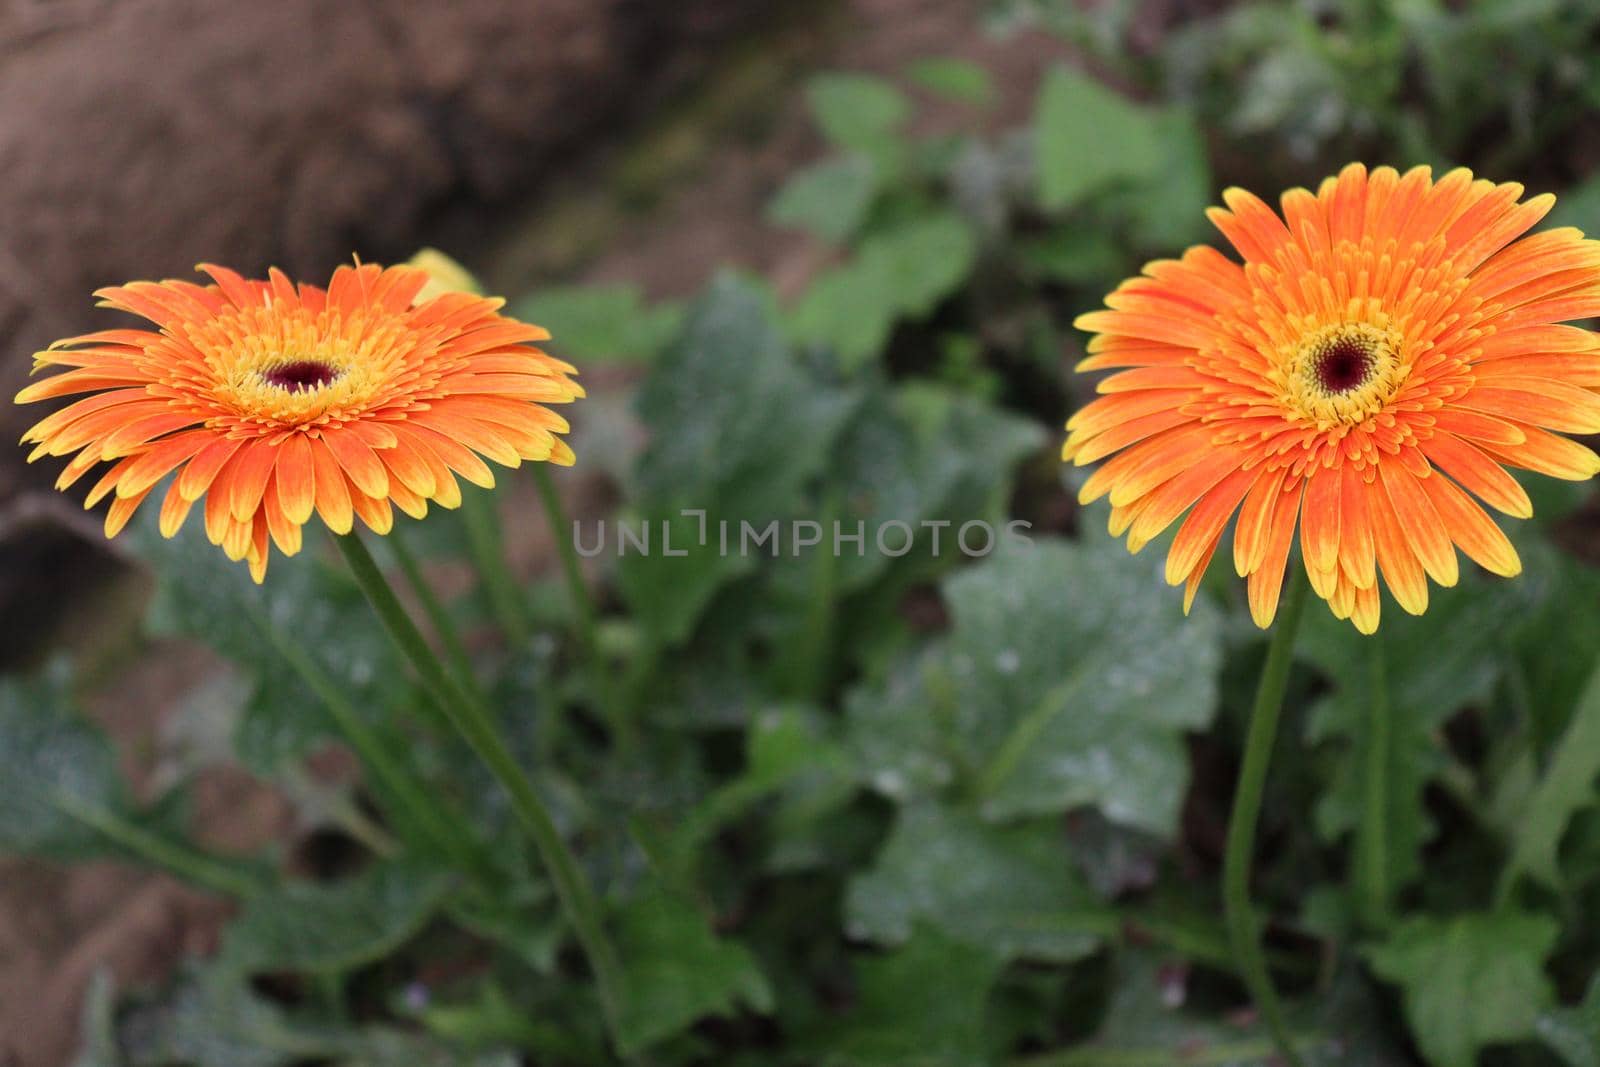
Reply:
x=957, y=79
x=921, y=262
x=523, y=918
x=1088, y=138
x=214, y=1017
x=1168, y=207
x=848, y=309
x=738, y=428
x=922, y=1006
x=1574, y=1033
x=202, y=595
x=1568, y=786
x=857, y=111
x=493, y=1018
x=1147, y=1023
x=1045, y=695
x=56, y=771
x=601, y=323
x=313, y=928
x=1469, y=981
x=920, y=453
x=830, y=199
x=676, y=971
x=899, y=273
x=1554, y=637
x=786, y=748
x=1075, y=254
x=1012, y=890
x=1435, y=664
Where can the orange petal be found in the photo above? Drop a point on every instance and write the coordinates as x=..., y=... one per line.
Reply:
x=1357, y=559
x=360, y=463
x=456, y=457
x=409, y=469
x=333, y=492
x=154, y=465
x=1542, y=402
x=1191, y=586
x=121, y=510
x=203, y=469
x=296, y=478
x=413, y=504
x=1250, y=533
x=1471, y=529
x=174, y=509
x=1367, y=609
x=1265, y=584
x=1548, y=454
x=252, y=469
x=1089, y=448
x=1206, y=522
x=1401, y=570
x=1420, y=524
x=1479, y=474
x=374, y=512
x=108, y=482
x=1319, y=521
x=285, y=533
x=475, y=435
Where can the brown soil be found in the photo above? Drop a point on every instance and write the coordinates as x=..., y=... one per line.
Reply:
x=60, y=924
x=705, y=209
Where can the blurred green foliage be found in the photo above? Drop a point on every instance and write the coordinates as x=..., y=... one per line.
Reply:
x=889, y=809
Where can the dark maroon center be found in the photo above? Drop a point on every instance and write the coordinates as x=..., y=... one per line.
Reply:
x=301, y=374
x=1343, y=365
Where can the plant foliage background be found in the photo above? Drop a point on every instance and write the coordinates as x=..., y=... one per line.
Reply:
x=884, y=811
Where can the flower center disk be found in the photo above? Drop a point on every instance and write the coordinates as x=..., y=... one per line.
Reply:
x=1344, y=365
x=301, y=375
x=1344, y=373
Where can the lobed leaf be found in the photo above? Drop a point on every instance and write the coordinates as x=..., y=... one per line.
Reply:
x=1011, y=890
x=1088, y=137
x=856, y=111
x=56, y=770
x=738, y=428
x=314, y=928
x=923, y=1005
x=1469, y=981
x=829, y=200
x=676, y=971
x=1044, y=696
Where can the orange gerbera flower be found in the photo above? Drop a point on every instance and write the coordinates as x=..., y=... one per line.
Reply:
x=272, y=401
x=1386, y=344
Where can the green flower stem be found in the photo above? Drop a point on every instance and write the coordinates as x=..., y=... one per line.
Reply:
x=582, y=608
x=1243, y=930
x=811, y=655
x=477, y=727
x=413, y=801
x=1372, y=843
x=438, y=618
x=488, y=555
x=186, y=863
